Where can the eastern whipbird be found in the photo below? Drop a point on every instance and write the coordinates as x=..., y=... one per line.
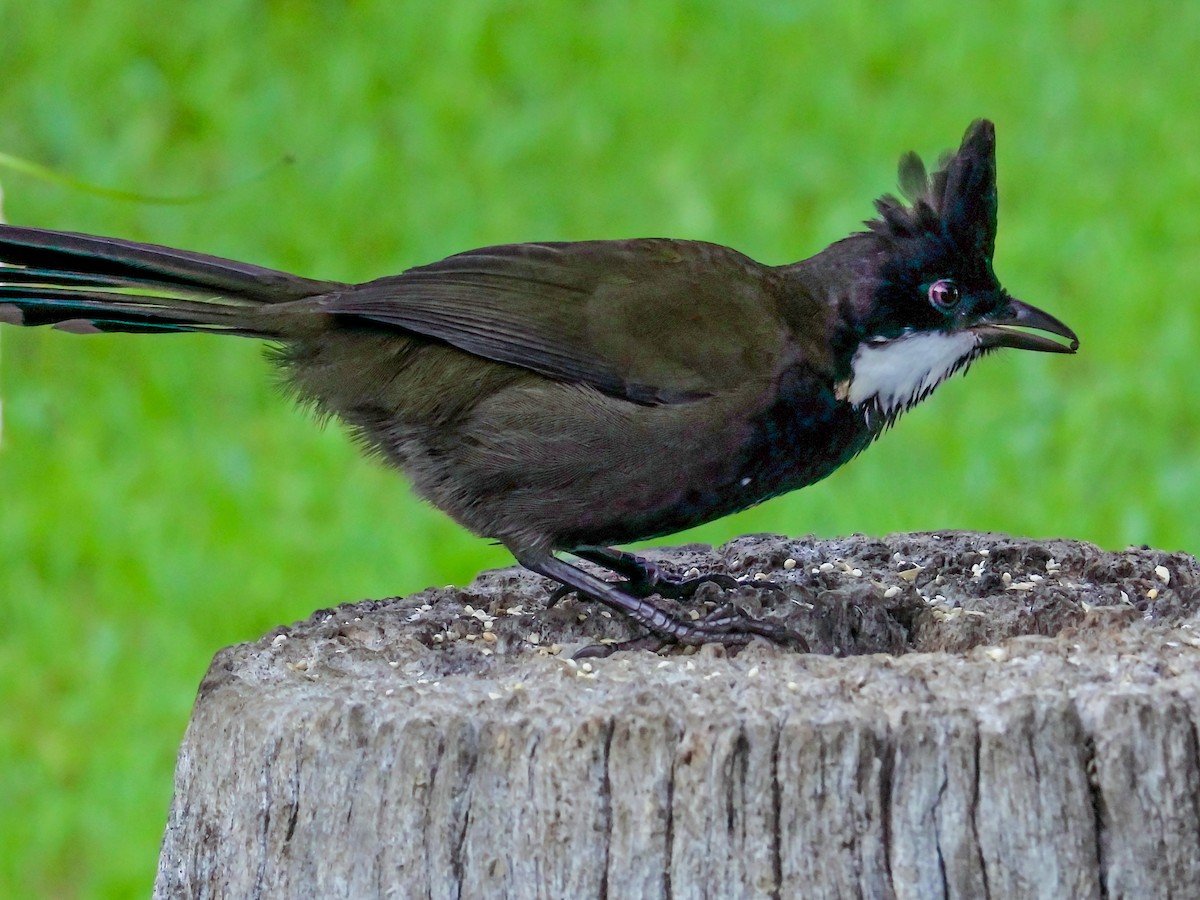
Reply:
x=569, y=397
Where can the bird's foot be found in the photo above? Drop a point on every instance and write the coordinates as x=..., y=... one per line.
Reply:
x=634, y=597
x=655, y=581
x=727, y=625
x=643, y=579
x=684, y=589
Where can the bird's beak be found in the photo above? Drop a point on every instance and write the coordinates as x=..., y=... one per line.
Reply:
x=1004, y=329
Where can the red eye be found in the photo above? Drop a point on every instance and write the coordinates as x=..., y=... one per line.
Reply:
x=943, y=294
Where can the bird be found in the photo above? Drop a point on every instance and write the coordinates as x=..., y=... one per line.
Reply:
x=565, y=398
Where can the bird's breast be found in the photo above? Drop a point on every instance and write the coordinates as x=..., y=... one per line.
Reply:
x=805, y=434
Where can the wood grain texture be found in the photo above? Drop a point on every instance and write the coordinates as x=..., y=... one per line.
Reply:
x=357, y=755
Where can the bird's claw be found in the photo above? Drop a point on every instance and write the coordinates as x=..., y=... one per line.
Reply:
x=727, y=625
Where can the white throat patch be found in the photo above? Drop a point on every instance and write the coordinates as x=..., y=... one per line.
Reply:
x=898, y=373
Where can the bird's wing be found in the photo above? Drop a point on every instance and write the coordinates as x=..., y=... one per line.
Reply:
x=654, y=321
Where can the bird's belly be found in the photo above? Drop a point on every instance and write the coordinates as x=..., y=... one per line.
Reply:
x=772, y=459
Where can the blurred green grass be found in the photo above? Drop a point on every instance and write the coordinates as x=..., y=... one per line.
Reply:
x=160, y=501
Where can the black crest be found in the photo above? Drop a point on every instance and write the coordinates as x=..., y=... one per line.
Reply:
x=957, y=202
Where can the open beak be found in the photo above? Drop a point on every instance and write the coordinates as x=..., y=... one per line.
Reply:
x=1005, y=329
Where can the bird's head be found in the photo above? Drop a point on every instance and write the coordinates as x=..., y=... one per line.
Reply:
x=932, y=302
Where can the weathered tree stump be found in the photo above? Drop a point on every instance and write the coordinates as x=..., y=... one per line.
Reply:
x=1011, y=719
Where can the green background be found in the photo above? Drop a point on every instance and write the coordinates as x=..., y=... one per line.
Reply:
x=159, y=501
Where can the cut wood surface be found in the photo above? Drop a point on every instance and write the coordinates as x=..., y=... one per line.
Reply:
x=979, y=716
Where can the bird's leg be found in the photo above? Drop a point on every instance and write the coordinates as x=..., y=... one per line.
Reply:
x=645, y=578
x=724, y=628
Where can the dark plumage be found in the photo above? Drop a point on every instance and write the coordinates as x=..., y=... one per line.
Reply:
x=572, y=396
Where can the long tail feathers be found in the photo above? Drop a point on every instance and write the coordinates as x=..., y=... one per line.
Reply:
x=82, y=283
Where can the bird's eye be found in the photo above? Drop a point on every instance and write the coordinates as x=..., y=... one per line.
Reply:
x=943, y=294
